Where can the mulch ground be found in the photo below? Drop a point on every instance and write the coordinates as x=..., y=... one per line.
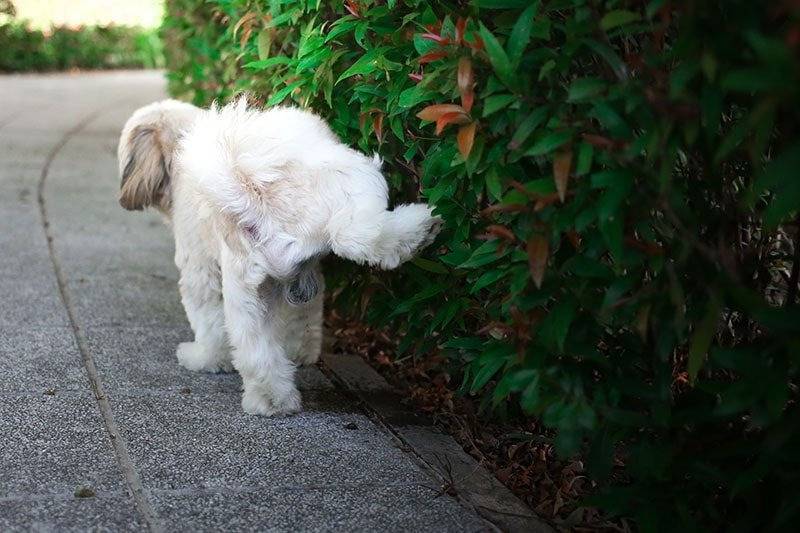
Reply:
x=519, y=451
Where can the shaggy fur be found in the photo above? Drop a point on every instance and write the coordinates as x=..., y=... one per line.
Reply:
x=255, y=199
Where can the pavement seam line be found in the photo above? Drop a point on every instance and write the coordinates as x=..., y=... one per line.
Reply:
x=119, y=445
x=405, y=446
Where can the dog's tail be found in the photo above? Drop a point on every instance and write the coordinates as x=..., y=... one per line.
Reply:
x=218, y=154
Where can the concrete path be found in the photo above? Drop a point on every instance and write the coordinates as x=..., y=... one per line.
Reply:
x=99, y=427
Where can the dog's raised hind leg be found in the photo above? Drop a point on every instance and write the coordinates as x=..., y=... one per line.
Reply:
x=257, y=336
x=383, y=238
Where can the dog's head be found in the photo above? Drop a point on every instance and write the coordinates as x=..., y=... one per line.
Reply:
x=146, y=153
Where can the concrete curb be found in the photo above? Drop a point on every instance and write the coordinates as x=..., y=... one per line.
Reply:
x=460, y=474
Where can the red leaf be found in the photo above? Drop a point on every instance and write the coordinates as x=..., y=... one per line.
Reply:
x=602, y=142
x=434, y=37
x=433, y=112
x=377, y=125
x=477, y=45
x=561, y=167
x=432, y=56
x=501, y=232
x=574, y=239
x=538, y=252
x=450, y=118
x=461, y=26
x=467, y=100
x=466, y=137
x=352, y=7
x=465, y=82
x=503, y=208
x=544, y=201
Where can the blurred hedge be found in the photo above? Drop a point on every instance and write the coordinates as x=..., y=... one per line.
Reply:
x=92, y=47
x=619, y=185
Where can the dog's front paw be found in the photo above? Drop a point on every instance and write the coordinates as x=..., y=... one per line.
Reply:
x=197, y=358
x=255, y=403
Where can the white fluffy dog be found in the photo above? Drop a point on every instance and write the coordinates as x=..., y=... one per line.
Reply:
x=255, y=199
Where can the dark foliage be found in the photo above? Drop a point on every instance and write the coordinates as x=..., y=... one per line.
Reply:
x=620, y=258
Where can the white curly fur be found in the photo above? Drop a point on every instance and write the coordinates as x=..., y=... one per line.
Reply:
x=255, y=199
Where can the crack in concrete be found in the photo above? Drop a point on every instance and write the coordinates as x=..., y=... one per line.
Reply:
x=132, y=478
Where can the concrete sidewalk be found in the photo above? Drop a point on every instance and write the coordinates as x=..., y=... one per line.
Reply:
x=99, y=427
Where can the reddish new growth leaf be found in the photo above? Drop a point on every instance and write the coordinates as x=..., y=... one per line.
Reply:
x=501, y=232
x=431, y=57
x=466, y=81
x=561, y=167
x=477, y=44
x=353, y=8
x=545, y=200
x=435, y=37
x=598, y=141
x=466, y=137
x=433, y=112
x=644, y=247
x=538, y=252
x=461, y=27
x=415, y=77
x=450, y=118
x=503, y=208
x=377, y=125
x=574, y=239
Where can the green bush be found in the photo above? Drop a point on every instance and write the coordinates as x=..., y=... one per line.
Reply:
x=23, y=49
x=618, y=183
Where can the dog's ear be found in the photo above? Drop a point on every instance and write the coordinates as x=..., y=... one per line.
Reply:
x=146, y=169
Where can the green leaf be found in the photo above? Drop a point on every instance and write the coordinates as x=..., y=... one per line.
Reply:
x=618, y=17
x=483, y=255
x=585, y=156
x=585, y=88
x=493, y=184
x=528, y=126
x=492, y=360
x=366, y=64
x=497, y=56
x=521, y=35
x=610, y=56
x=549, y=143
x=753, y=80
x=487, y=279
x=497, y=102
x=780, y=179
x=279, y=96
x=280, y=19
x=269, y=62
x=555, y=326
x=415, y=95
x=430, y=266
